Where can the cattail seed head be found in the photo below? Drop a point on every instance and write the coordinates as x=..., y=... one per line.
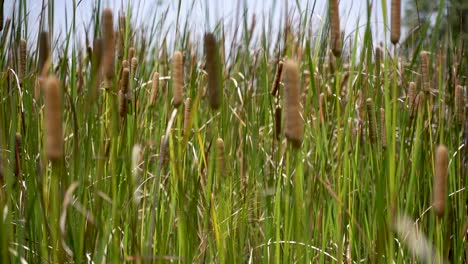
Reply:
x=278, y=122
x=53, y=118
x=440, y=180
x=97, y=55
x=371, y=120
x=460, y=104
x=425, y=71
x=188, y=101
x=276, y=82
x=134, y=66
x=383, y=130
x=396, y=21
x=22, y=60
x=411, y=95
x=18, y=150
x=154, y=88
x=212, y=66
x=220, y=155
x=177, y=78
x=44, y=51
x=335, y=28
x=108, y=45
x=419, y=101
x=131, y=53
x=123, y=93
x=293, y=122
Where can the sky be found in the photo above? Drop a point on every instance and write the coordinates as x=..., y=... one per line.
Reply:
x=351, y=11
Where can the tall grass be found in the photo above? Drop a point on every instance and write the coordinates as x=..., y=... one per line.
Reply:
x=282, y=152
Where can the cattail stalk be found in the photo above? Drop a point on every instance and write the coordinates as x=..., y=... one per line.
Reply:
x=18, y=150
x=123, y=94
x=460, y=104
x=154, y=88
x=396, y=21
x=293, y=122
x=276, y=82
x=22, y=60
x=108, y=46
x=178, y=79
x=335, y=28
x=213, y=69
x=53, y=119
x=440, y=180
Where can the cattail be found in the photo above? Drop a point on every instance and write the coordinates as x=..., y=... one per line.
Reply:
x=383, y=130
x=22, y=60
x=131, y=53
x=187, y=116
x=411, y=95
x=97, y=55
x=425, y=70
x=278, y=122
x=293, y=122
x=1, y=15
x=123, y=94
x=276, y=82
x=53, y=119
x=108, y=46
x=177, y=79
x=440, y=179
x=212, y=66
x=371, y=120
x=335, y=28
x=460, y=103
x=321, y=107
x=154, y=87
x=220, y=155
x=378, y=57
x=44, y=51
x=419, y=101
x=18, y=150
x=122, y=35
x=396, y=21
x=134, y=66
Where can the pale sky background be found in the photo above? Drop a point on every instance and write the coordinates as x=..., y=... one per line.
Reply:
x=350, y=11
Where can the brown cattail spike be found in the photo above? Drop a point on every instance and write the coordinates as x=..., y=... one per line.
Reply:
x=293, y=122
x=187, y=116
x=18, y=150
x=411, y=95
x=97, y=55
x=440, y=180
x=278, y=122
x=371, y=120
x=396, y=21
x=212, y=66
x=460, y=104
x=123, y=94
x=108, y=46
x=276, y=82
x=22, y=60
x=419, y=101
x=44, y=51
x=335, y=28
x=425, y=79
x=53, y=119
x=177, y=78
x=131, y=53
x=220, y=155
x=134, y=66
x=154, y=87
x=383, y=130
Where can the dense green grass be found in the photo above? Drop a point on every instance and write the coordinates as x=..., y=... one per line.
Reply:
x=121, y=195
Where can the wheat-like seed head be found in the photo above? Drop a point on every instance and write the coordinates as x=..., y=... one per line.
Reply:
x=177, y=79
x=212, y=66
x=108, y=46
x=440, y=180
x=53, y=119
x=293, y=122
x=396, y=21
x=134, y=66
